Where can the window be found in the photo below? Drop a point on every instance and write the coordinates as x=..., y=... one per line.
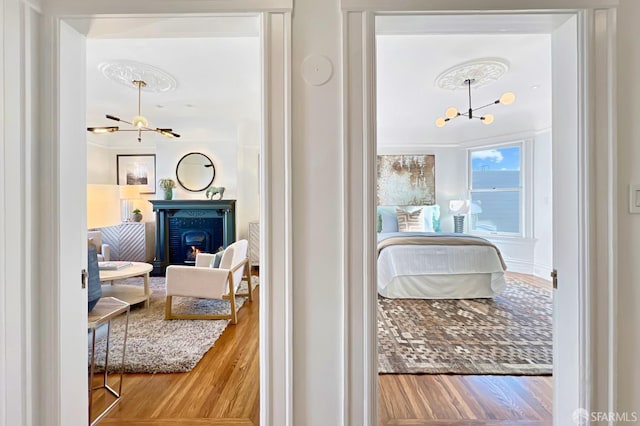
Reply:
x=495, y=187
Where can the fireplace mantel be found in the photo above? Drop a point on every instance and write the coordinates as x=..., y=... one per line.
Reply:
x=216, y=218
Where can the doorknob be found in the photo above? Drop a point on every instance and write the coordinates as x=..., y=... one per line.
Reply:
x=84, y=278
x=554, y=278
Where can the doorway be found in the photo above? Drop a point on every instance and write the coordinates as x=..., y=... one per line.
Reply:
x=216, y=110
x=418, y=59
x=360, y=181
x=67, y=357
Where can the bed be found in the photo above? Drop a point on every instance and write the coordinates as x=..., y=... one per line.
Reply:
x=433, y=265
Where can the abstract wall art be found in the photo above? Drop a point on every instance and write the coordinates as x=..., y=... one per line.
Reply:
x=406, y=180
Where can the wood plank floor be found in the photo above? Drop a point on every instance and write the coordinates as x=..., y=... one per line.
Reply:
x=447, y=400
x=223, y=389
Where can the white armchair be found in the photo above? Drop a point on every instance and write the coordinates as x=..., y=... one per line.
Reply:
x=203, y=281
x=104, y=251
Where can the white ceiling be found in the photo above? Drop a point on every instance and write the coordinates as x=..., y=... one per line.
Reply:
x=216, y=62
x=409, y=102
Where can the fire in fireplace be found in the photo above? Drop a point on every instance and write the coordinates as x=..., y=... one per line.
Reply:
x=194, y=242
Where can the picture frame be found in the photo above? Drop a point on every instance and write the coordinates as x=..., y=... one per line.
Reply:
x=137, y=169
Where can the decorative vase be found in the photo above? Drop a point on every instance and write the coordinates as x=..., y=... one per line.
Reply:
x=137, y=217
x=168, y=194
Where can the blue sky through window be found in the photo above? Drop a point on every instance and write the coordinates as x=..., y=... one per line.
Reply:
x=507, y=158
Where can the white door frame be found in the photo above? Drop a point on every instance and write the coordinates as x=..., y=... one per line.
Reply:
x=275, y=211
x=596, y=38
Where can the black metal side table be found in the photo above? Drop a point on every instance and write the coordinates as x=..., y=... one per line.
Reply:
x=105, y=310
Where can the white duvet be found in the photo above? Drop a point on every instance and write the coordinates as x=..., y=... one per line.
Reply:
x=439, y=271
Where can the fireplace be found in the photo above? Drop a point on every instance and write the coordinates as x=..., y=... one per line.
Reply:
x=194, y=242
x=187, y=227
x=188, y=236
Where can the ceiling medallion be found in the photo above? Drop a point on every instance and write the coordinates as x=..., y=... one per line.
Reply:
x=481, y=72
x=126, y=71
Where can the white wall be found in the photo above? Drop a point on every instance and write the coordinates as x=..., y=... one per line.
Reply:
x=248, y=175
x=542, y=204
x=628, y=344
x=235, y=162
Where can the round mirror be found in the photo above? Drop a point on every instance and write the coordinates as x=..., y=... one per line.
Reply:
x=195, y=172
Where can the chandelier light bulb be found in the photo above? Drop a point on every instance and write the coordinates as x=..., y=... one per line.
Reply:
x=140, y=121
x=440, y=122
x=507, y=98
x=451, y=112
x=487, y=119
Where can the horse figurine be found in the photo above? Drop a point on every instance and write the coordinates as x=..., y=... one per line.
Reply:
x=213, y=190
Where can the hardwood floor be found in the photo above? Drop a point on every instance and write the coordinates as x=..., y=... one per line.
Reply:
x=447, y=400
x=223, y=389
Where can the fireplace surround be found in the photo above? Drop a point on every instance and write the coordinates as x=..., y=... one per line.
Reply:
x=186, y=227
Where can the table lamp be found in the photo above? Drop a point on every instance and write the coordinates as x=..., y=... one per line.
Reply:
x=102, y=206
x=128, y=193
x=459, y=208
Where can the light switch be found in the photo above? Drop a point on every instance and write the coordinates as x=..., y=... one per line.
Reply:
x=634, y=198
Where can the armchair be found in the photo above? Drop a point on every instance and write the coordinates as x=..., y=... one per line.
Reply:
x=104, y=251
x=206, y=282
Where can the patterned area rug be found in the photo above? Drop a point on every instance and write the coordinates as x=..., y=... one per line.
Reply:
x=155, y=345
x=509, y=334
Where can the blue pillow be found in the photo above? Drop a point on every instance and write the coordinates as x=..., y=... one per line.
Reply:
x=388, y=218
x=215, y=261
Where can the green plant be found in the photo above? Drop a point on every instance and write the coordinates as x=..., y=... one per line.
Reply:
x=136, y=211
x=167, y=183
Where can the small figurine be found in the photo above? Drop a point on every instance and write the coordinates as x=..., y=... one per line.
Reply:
x=213, y=190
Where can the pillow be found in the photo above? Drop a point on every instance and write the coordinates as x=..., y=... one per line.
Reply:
x=388, y=218
x=410, y=221
x=215, y=260
x=431, y=215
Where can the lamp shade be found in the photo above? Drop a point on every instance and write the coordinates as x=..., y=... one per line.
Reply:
x=129, y=192
x=458, y=207
x=103, y=206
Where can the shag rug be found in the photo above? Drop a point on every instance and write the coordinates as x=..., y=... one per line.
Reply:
x=509, y=334
x=155, y=345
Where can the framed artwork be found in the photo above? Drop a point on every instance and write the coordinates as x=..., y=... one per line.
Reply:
x=406, y=180
x=137, y=169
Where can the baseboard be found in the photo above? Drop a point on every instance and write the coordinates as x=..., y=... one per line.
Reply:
x=542, y=271
x=519, y=266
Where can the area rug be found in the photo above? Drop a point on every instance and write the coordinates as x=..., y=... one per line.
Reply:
x=510, y=334
x=155, y=345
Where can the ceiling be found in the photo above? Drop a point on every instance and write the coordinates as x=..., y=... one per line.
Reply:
x=216, y=64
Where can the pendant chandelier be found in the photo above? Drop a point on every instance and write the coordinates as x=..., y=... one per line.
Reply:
x=139, y=122
x=452, y=112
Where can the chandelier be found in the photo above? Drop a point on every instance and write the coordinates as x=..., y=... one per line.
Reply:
x=452, y=112
x=139, y=122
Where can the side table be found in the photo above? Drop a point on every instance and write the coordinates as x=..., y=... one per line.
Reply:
x=105, y=310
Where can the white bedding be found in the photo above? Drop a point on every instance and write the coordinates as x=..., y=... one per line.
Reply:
x=439, y=271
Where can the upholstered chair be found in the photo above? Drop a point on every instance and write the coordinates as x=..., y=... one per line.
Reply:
x=94, y=286
x=104, y=251
x=208, y=282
